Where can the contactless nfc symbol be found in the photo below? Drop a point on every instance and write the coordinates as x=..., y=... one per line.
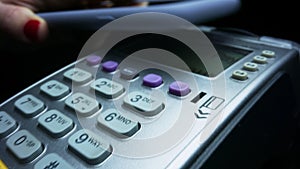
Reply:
x=158, y=39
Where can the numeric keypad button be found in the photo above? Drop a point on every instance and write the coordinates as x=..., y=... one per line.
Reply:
x=89, y=147
x=29, y=105
x=118, y=123
x=78, y=75
x=24, y=146
x=55, y=89
x=83, y=104
x=148, y=105
x=52, y=161
x=7, y=124
x=108, y=88
x=55, y=123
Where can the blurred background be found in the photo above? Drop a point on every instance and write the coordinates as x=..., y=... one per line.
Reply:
x=265, y=17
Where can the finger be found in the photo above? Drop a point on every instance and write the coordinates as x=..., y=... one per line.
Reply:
x=128, y=3
x=22, y=23
x=110, y=3
x=30, y=4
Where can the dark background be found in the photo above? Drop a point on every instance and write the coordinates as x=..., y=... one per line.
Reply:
x=265, y=17
x=23, y=64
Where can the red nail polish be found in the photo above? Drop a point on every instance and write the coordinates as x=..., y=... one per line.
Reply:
x=31, y=30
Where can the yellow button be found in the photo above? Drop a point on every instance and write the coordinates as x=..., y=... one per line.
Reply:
x=2, y=165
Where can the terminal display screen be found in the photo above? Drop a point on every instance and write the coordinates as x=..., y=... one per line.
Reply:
x=228, y=56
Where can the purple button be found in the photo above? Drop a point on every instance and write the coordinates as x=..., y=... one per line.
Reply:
x=152, y=80
x=179, y=88
x=93, y=60
x=110, y=66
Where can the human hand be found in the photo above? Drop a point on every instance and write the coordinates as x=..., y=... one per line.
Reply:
x=18, y=18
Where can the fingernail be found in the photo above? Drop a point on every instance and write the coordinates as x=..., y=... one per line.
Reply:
x=31, y=30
